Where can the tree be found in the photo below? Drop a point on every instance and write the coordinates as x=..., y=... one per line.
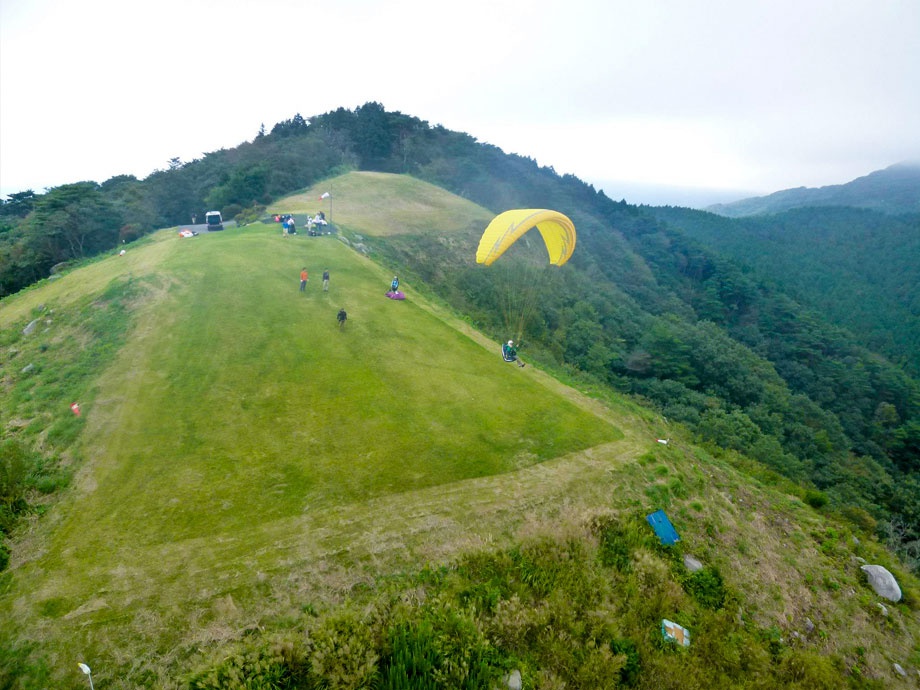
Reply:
x=18, y=205
x=173, y=195
x=71, y=222
x=372, y=136
x=244, y=187
x=669, y=353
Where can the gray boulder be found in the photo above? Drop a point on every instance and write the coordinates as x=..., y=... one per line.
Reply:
x=30, y=329
x=513, y=680
x=692, y=564
x=882, y=582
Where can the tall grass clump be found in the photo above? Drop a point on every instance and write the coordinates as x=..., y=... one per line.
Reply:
x=274, y=667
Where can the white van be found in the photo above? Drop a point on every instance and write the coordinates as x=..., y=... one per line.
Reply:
x=214, y=221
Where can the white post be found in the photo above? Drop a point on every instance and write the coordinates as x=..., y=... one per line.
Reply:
x=85, y=669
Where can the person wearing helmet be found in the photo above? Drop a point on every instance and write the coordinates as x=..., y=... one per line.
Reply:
x=509, y=353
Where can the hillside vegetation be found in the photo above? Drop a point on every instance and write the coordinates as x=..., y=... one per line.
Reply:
x=261, y=499
x=859, y=268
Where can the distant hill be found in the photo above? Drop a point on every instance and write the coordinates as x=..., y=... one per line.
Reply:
x=894, y=190
x=641, y=194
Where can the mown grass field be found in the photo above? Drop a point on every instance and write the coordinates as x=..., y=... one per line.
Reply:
x=382, y=204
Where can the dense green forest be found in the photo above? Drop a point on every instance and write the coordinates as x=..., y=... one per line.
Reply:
x=857, y=267
x=643, y=306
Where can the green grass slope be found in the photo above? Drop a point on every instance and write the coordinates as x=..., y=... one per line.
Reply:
x=381, y=204
x=239, y=422
x=244, y=471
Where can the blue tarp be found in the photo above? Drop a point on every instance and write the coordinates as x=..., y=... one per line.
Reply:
x=663, y=527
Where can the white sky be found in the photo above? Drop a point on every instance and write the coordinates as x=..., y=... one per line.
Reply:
x=752, y=95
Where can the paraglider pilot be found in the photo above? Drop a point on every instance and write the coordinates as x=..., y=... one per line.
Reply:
x=394, y=286
x=509, y=353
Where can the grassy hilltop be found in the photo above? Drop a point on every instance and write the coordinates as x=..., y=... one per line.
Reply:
x=243, y=470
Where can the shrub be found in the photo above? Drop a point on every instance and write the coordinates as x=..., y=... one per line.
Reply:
x=14, y=468
x=707, y=587
x=231, y=210
x=816, y=499
x=442, y=649
x=599, y=669
x=618, y=539
x=629, y=674
x=465, y=657
x=806, y=669
x=251, y=669
x=343, y=652
x=412, y=659
x=545, y=565
x=516, y=625
x=130, y=232
x=614, y=551
x=249, y=215
x=860, y=517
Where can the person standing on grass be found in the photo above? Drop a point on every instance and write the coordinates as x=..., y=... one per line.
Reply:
x=303, y=279
x=342, y=317
x=326, y=280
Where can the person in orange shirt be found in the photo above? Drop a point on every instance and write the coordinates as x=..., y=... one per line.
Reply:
x=303, y=279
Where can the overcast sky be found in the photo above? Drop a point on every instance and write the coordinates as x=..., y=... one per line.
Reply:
x=732, y=95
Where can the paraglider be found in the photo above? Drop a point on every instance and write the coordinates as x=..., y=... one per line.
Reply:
x=509, y=353
x=519, y=278
x=506, y=228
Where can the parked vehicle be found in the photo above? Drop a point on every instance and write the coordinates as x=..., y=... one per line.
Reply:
x=214, y=221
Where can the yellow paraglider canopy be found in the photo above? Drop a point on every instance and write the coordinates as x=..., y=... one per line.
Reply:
x=557, y=230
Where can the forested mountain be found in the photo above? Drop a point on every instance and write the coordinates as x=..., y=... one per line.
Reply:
x=859, y=268
x=894, y=190
x=642, y=307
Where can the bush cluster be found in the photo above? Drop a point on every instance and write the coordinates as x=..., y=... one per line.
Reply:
x=578, y=612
